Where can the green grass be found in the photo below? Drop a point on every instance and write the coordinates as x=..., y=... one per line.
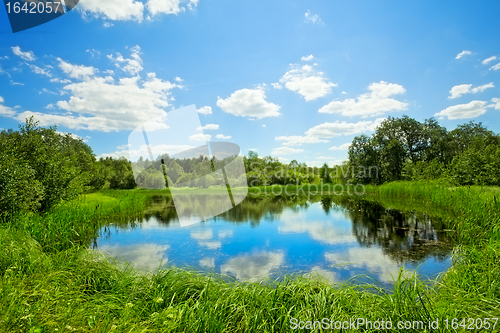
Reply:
x=49, y=281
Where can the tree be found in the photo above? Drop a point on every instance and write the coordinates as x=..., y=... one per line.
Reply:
x=174, y=171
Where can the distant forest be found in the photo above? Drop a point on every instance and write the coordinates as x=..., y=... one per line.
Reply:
x=40, y=167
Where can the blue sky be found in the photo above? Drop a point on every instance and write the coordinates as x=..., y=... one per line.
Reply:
x=291, y=79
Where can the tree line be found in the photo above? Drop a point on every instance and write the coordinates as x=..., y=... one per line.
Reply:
x=40, y=167
x=406, y=149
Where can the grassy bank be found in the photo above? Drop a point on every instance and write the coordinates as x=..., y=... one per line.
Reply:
x=48, y=281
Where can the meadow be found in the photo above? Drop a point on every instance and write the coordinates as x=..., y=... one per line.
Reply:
x=51, y=282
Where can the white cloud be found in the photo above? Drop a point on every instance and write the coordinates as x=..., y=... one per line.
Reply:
x=38, y=70
x=497, y=103
x=312, y=18
x=464, y=111
x=345, y=146
x=208, y=262
x=5, y=110
x=495, y=67
x=202, y=234
x=488, y=60
x=74, y=136
x=223, y=137
x=16, y=83
x=45, y=90
x=76, y=71
x=330, y=161
x=322, y=275
x=276, y=85
x=107, y=24
x=374, y=103
x=200, y=137
x=178, y=79
x=307, y=82
x=462, y=89
x=156, y=7
x=134, y=154
x=263, y=125
x=249, y=103
x=331, y=130
x=193, y=4
x=116, y=10
x=142, y=256
x=205, y=110
x=254, y=267
x=374, y=261
x=65, y=81
x=307, y=58
x=28, y=56
x=131, y=66
x=209, y=127
x=282, y=151
x=462, y=54
x=101, y=104
x=297, y=140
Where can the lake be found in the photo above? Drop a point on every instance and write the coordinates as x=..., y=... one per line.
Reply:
x=336, y=238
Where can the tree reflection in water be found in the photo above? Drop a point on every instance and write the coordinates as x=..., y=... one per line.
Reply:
x=404, y=236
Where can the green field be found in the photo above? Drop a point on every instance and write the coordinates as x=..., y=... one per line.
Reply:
x=49, y=281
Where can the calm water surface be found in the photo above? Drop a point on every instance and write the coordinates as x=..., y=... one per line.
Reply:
x=269, y=238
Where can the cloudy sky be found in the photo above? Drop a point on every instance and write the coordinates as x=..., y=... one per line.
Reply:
x=291, y=79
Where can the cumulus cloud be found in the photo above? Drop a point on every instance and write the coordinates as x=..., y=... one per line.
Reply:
x=463, y=111
x=282, y=151
x=28, y=55
x=307, y=82
x=497, y=103
x=463, y=54
x=488, y=60
x=307, y=58
x=5, y=110
x=205, y=110
x=133, y=65
x=249, y=103
x=76, y=71
x=312, y=18
x=376, y=102
x=134, y=154
x=156, y=7
x=200, y=137
x=101, y=104
x=223, y=137
x=331, y=130
x=345, y=146
x=209, y=127
x=462, y=89
x=116, y=10
x=297, y=140
x=276, y=85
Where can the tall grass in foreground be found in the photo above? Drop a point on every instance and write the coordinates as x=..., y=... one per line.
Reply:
x=73, y=291
x=76, y=222
x=47, y=285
